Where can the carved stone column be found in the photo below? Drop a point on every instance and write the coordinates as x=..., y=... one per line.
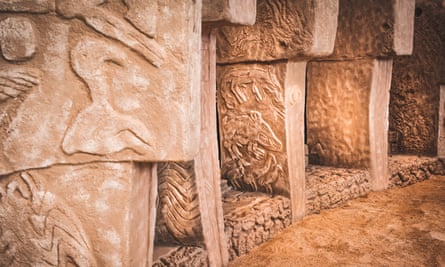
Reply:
x=190, y=208
x=348, y=96
x=261, y=94
x=92, y=94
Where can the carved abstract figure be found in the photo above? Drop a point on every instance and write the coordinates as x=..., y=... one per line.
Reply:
x=15, y=81
x=37, y=229
x=112, y=26
x=17, y=39
x=107, y=125
x=251, y=97
x=179, y=219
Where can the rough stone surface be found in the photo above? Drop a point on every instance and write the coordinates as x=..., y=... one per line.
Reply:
x=64, y=213
x=368, y=28
x=407, y=170
x=283, y=30
x=415, y=85
x=338, y=95
x=328, y=187
x=229, y=11
x=182, y=257
x=110, y=92
x=252, y=218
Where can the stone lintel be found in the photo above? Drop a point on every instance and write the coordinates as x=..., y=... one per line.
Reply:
x=374, y=28
x=283, y=30
x=229, y=12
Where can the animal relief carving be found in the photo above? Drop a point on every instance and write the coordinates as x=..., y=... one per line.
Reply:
x=37, y=228
x=252, y=147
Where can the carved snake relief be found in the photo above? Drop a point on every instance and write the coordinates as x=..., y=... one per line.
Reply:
x=37, y=229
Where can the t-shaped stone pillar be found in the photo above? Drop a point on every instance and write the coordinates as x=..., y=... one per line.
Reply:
x=88, y=89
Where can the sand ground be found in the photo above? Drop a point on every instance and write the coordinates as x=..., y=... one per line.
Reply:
x=399, y=227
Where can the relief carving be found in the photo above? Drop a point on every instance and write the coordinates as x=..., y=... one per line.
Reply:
x=179, y=218
x=37, y=228
x=112, y=26
x=17, y=39
x=282, y=28
x=252, y=147
x=15, y=81
x=106, y=69
x=33, y=6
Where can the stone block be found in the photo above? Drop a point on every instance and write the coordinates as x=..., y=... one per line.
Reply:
x=92, y=82
x=374, y=28
x=441, y=124
x=261, y=115
x=347, y=113
x=283, y=30
x=87, y=215
x=229, y=11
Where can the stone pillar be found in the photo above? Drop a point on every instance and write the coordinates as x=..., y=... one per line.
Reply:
x=414, y=109
x=91, y=96
x=199, y=205
x=348, y=94
x=441, y=124
x=261, y=83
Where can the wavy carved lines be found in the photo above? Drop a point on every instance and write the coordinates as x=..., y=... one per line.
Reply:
x=179, y=219
x=14, y=82
x=38, y=229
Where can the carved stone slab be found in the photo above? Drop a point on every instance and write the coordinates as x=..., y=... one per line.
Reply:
x=86, y=215
x=374, y=28
x=95, y=82
x=261, y=115
x=283, y=29
x=229, y=11
x=347, y=114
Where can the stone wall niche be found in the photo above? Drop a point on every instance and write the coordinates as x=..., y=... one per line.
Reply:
x=347, y=114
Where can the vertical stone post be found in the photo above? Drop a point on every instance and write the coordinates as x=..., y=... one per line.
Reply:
x=441, y=124
x=261, y=91
x=348, y=93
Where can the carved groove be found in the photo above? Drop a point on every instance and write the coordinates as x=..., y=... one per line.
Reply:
x=179, y=219
x=37, y=229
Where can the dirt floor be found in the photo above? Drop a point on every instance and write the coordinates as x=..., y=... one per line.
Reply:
x=399, y=227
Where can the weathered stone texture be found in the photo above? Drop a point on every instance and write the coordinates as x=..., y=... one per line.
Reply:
x=328, y=187
x=283, y=30
x=109, y=90
x=178, y=216
x=408, y=170
x=229, y=11
x=337, y=107
x=63, y=214
x=253, y=218
x=415, y=84
x=368, y=28
x=183, y=256
x=252, y=127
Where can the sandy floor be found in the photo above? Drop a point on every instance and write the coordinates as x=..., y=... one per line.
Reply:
x=399, y=227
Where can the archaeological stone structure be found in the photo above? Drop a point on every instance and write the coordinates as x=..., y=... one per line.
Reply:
x=187, y=133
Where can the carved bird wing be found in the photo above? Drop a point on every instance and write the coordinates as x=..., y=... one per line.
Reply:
x=15, y=82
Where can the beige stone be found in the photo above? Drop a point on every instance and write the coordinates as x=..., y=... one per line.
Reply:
x=261, y=115
x=229, y=11
x=374, y=28
x=441, y=126
x=33, y=6
x=89, y=214
x=347, y=115
x=110, y=89
x=284, y=29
